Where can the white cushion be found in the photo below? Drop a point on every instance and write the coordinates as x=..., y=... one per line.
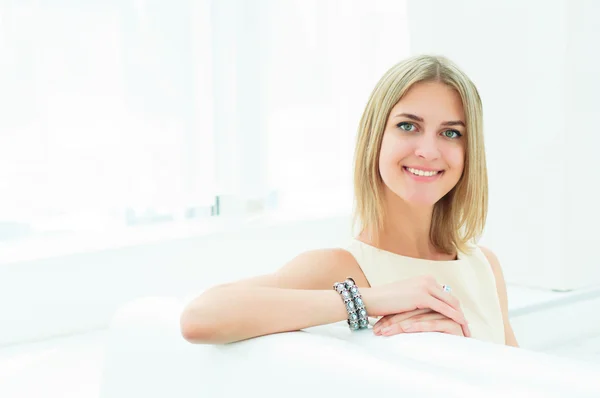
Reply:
x=146, y=356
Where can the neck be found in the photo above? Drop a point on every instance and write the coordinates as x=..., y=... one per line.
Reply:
x=406, y=229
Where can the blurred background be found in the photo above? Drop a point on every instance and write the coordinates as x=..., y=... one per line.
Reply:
x=153, y=148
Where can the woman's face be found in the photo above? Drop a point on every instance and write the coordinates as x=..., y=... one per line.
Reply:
x=423, y=149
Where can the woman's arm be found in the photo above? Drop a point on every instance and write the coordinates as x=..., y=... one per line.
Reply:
x=502, y=294
x=297, y=296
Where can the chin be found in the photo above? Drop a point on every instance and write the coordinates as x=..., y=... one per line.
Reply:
x=421, y=203
x=417, y=198
x=420, y=200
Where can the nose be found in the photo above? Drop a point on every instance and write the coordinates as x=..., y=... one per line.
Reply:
x=427, y=147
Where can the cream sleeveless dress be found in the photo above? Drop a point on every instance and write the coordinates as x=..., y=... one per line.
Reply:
x=470, y=277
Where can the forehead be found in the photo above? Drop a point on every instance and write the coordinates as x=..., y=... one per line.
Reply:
x=433, y=101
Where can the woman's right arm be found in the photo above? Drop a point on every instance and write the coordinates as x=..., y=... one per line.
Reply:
x=297, y=296
x=301, y=295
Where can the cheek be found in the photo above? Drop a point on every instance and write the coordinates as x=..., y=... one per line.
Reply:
x=388, y=159
x=393, y=150
x=455, y=157
x=385, y=155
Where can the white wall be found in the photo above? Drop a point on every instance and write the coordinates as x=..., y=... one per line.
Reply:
x=582, y=142
x=534, y=63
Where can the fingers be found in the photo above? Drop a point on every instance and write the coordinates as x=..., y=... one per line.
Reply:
x=465, y=329
x=427, y=316
x=391, y=330
x=436, y=290
x=436, y=325
x=443, y=326
x=394, y=318
x=389, y=320
x=444, y=309
x=394, y=324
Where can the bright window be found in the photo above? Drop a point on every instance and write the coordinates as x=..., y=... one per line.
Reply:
x=106, y=115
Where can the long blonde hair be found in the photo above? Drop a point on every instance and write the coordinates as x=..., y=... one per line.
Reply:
x=460, y=215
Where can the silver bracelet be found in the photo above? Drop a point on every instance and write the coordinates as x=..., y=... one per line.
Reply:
x=361, y=311
x=340, y=287
x=357, y=313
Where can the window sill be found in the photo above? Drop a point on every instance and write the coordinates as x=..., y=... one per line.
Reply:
x=25, y=250
x=86, y=241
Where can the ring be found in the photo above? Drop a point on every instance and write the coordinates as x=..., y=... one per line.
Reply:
x=446, y=288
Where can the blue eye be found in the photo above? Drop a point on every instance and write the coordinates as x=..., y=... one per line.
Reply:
x=406, y=126
x=453, y=134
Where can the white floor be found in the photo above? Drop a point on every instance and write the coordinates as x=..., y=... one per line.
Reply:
x=71, y=367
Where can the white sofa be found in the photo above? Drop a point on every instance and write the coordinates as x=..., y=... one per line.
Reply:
x=147, y=357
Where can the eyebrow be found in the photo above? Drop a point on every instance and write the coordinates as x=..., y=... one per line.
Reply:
x=420, y=119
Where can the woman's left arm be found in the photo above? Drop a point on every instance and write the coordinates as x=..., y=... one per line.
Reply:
x=503, y=296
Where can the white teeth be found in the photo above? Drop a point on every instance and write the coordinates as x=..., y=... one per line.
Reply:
x=421, y=172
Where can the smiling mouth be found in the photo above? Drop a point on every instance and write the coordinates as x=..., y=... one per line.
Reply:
x=422, y=173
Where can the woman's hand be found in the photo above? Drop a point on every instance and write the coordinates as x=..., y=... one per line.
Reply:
x=419, y=293
x=416, y=321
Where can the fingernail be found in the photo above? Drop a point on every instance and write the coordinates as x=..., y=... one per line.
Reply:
x=385, y=330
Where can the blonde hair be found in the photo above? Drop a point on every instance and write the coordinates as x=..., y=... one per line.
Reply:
x=460, y=215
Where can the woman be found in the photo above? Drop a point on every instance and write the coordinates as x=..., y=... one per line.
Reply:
x=421, y=200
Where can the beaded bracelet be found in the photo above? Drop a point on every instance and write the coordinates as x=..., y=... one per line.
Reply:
x=357, y=313
x=363, y=321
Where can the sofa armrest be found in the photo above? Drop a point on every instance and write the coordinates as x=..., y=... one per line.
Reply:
x=494, y=365
x=301, y=364
x=147, y=356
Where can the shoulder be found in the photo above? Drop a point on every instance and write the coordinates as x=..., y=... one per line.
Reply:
x=323, y=267
x=483, y=254
x=311, y=270
x=489, y=254
x=331, y=257
x=494, y=262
